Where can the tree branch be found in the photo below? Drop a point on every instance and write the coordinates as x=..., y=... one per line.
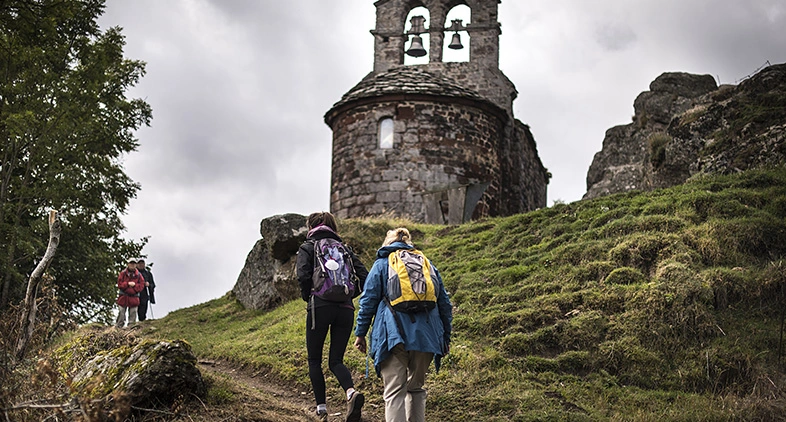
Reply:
x=29, y=309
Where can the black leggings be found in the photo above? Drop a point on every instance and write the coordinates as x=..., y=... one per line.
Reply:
x=339, y=321
x=142, y=309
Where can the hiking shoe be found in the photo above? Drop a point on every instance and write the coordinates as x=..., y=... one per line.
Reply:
x=354, y=405
x=322, y=415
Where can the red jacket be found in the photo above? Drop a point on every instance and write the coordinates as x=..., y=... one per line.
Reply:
x=129, y=296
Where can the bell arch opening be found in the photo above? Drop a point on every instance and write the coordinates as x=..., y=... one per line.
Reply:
x=460, y=14
x=413, y=41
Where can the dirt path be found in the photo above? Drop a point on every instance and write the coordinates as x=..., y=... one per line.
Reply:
x=256, y=397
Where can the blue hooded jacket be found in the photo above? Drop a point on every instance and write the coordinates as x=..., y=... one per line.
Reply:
x=430, y=331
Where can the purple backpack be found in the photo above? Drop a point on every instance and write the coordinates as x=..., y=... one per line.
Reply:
x=334, y=277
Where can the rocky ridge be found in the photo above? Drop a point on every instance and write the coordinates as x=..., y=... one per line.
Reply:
x=686, y=125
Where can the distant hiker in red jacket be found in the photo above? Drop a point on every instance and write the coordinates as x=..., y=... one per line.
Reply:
x=130, y=283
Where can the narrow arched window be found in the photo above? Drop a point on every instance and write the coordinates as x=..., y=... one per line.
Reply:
x=386, y=133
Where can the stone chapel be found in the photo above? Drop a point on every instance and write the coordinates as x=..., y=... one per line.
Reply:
x=436, y=142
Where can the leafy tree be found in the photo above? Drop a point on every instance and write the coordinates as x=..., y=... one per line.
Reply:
x=65, y=125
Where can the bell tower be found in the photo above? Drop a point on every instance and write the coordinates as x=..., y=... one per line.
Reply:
x=389, y=35
x=481, y=71
x=436, y=142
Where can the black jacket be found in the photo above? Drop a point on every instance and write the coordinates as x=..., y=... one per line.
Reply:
x=148, y=293
x=305, y=267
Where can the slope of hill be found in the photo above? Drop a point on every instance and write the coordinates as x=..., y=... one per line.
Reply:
x=665, y=305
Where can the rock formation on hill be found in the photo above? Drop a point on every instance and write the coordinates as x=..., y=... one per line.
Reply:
x=100, y=362
x=685, y=124
x=268, y=278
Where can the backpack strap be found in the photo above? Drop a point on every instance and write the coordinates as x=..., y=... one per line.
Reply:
x=353, y=275
x=313, y=314
x=313, y=305
x=316, y=259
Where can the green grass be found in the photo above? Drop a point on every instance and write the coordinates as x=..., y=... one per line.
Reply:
x=657, y=147
x=652, y=306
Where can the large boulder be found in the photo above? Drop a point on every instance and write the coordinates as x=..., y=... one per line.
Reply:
x=269, y=277
x=145, y=373
x=685, y=125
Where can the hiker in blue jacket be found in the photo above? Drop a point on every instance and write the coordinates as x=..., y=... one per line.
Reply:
x=402, y=344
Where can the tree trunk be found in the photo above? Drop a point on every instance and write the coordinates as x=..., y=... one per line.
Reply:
x=29, y=309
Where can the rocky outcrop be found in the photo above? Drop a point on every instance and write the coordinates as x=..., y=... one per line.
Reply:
x=685, y=125
x=143, y=373
x=268, y=278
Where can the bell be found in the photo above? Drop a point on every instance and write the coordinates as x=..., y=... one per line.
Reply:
x=416, y=47
x=455, y=43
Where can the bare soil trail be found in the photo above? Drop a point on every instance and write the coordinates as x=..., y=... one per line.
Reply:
x=257, y=397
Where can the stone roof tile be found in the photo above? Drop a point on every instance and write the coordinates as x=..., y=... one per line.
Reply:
x=406, y=80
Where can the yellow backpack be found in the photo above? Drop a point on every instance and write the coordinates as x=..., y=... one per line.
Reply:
x=411, y=287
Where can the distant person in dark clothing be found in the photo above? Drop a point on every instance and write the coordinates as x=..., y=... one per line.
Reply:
x=325, y=313
x=147, y=294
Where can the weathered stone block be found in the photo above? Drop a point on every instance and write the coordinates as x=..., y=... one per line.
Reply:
x=266, y=282
x=283, y=234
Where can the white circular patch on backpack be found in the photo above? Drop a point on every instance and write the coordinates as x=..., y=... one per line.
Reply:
x=331, y=265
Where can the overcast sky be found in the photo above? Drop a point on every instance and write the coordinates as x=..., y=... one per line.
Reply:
x=239, y=89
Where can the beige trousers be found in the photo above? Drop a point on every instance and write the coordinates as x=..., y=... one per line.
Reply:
x=120, y=322
x=404, y=373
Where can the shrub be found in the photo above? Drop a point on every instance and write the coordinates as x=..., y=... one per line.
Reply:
x=641, y=251
x=625, y=275
x=657, y=148
x=631, y=362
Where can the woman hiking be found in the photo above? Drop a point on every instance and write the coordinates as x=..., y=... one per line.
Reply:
x=324, y=267
x=412, y=315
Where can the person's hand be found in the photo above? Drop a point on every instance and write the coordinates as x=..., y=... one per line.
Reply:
x=147, y=284
x=131, y=284
x=360, y=344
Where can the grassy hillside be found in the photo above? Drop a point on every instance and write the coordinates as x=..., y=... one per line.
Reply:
x=665, y=305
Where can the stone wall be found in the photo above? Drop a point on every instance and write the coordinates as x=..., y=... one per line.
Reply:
x=437, y=146
x=487, y=81
x=524, y=179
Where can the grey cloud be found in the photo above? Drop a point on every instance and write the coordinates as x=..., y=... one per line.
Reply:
x=615, y=37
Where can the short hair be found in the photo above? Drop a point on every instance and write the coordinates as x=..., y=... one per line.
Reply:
x=322, y=218
x=400, y=234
